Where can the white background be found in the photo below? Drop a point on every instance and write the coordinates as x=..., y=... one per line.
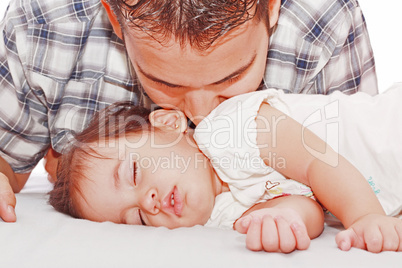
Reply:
x=384, y=20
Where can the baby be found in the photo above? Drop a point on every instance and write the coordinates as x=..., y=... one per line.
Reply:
x=258, y=166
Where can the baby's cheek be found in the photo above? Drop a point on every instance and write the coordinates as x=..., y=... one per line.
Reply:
x=203, y=210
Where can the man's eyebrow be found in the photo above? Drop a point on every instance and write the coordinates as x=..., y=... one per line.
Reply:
x=233, y=74
x=116, y=177
x=155, y=79
x=238, y=71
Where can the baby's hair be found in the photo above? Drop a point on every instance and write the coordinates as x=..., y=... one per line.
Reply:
x=110, y=123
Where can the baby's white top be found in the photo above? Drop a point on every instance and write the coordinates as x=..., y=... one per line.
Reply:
x=366, y=130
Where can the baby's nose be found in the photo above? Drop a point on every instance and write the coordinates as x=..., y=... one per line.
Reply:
x=150, y=203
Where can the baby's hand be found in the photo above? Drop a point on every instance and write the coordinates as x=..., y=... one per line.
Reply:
x=274, y=230
x=374, y=233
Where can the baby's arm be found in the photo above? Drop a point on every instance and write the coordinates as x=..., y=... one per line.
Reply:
x=282, y=224
x=336, y=183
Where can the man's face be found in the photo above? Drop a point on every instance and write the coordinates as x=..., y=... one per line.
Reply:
x=196, y=82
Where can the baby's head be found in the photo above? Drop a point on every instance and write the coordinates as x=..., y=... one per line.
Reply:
x=130, y=166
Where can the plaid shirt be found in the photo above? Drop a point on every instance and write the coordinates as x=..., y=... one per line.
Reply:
x=60, y=62
x=320, y=46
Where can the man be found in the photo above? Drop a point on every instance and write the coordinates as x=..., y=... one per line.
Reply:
x=61, y=61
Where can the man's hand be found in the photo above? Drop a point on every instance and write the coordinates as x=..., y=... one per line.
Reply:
x=10, y=183
x=7, y=200
x=374, y=233
x=51, y=160
x=274, y=230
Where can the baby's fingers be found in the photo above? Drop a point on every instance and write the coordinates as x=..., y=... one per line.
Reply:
x=348, y=239
x=253, y=238
x=374, y=239
x=270, y=235
x=302, y=238
x=398, y=229
x=241, y=225
x=391, y=238
x=287, y=241
x=345, y=239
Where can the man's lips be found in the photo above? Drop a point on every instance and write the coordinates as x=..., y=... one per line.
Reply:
x=173, y=202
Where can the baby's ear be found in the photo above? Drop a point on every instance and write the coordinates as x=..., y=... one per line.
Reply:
x=169, y=120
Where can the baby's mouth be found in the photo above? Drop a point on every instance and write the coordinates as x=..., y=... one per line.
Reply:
x=173, y=202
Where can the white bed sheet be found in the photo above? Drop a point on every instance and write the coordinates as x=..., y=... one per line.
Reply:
x=42, y=237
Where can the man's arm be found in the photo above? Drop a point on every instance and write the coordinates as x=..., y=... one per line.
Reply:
x=10, y=183
x=12, y=79
x=283, y=224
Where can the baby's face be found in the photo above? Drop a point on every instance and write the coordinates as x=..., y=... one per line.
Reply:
x=166, y=181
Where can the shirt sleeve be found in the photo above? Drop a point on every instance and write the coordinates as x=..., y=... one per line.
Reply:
x=351, y=66
x=319, y=47
x=24, y=135
x=60, y=63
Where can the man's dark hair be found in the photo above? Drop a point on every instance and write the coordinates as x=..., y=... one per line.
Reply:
x=198, y=23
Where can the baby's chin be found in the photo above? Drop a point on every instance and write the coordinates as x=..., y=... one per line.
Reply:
x=201, y=218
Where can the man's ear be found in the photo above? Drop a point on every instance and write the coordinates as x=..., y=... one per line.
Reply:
x=113, y=19
x=169, y=120
x=273, y=11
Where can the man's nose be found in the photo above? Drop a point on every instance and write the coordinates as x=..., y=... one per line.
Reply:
x=199, y=103
x=150, y=202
